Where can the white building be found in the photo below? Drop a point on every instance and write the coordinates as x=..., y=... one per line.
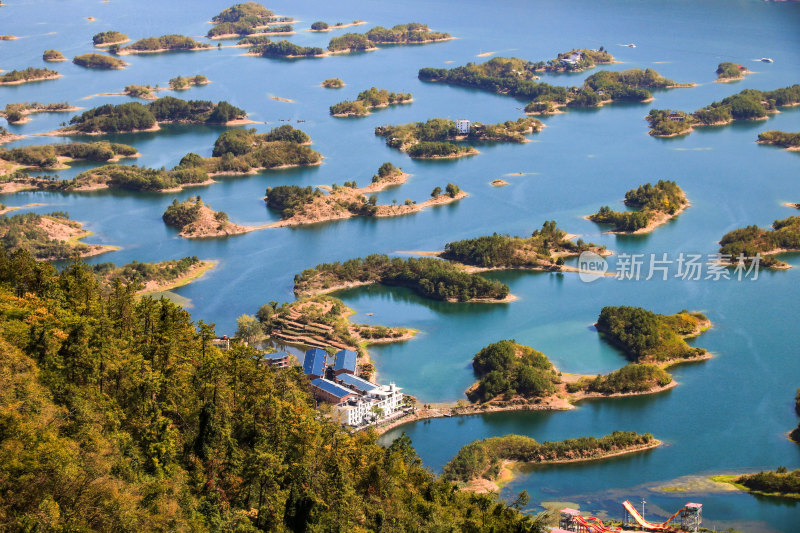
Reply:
x=462, y=127
x=362, y=410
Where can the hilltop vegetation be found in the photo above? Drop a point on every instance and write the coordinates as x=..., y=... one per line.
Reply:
x=148, y=276
x=372, y=98
x=45, y=237
x=163, y=44
x=286, y=49
x=655, y=205
x=243, y=19
x=132, y=178
x=752, y=240
x=780, y=482
x=27, y=75
x=53, y=55
x=109, y=38
x=180, y=82
x=333, y=83
x=411, y=33
x=429, y=277
x=46, y=155
x=780, y=138
x=631, y=378
x=196, y=219
x=576, y=60
x=121, y=412
x=16, y=112
x=749, y=104
x=646, y=337
x=728, y=71
x=93, y=60
x=506, y=368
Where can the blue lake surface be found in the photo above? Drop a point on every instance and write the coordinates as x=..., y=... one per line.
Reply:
x=729, y=414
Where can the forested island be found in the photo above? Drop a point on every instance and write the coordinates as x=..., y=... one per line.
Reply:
x=53, y=56
x=576, y=60
x=432, y=139
x=727, y=72
x=515, y=77
x=47, y=237
x=162, y=434
x=779, y=483
x=285, y=49
x=431, y=278
x=107, y=38
x=17, y=113
x=244, y=19
x=790, y=141
x=30, y=74
x=333, y=83
x=655, y=205
x=746, y=243
x=322, y=26
x=165, y=43
x=133, y=116
x=372, y=98
x=147, y=278
x=479, y=464
x=196, y=219
x=750, y=104
x=180, y=83
x=55, y=156
x=100, y=61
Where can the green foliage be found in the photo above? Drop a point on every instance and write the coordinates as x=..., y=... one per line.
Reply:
x=647, y=337
x=426, y=149
x=452, y=190
x=181, y=214
x=240, y=150
x=94, y=60
x=28, y=74
x=666, y=122
x=482, y=458
x=351, y=42
x=45, y=156
x=180, y=82
x=286, y=49
x=289, y=199
x=109, y=37
x=53, y=55
x=413, y=32
x=507, y=368
x=780, y=138
x=319, y=26
x=728, y=70
x=133, y=178
x=650, y=200
x=430, y=277
x=165, y=42
x=171, y=109
x=237, y=12
x=139, y=91
x=778, y=482
x=753, y=240
x=632, y=377
x=588, y=59
x=333, y=83
x=370, y=99
x=111, y=118
x=137, y=274
x=386, y=170
x=28, y=232
x=255, y=39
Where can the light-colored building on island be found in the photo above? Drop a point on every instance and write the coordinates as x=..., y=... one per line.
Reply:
x=463, y=127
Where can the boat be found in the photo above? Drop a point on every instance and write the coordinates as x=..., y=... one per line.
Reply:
x=630, y=45
x=766, y=60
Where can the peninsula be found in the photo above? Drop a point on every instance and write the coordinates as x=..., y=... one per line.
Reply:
x=750, y=104
x=433, y=139
x=148, y=278
x=196, y=219
x=790, y=141
x=99, y=61
x=28, y=75
x=655, y=205
x=56, y=156
x=47, y=237
x=740, y=246
x=372, y=98
x=18, y=113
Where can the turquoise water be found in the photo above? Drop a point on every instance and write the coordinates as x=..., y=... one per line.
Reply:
x=729, y=414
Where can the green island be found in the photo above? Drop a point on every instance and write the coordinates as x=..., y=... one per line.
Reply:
x=778, y=483
x=515, y=77
x=333, y=83
x=30, y=74
x=655, y=205
x=372, y=98
x=165, y=43
x=196, y=219
x=17, y=113
x=162, y=434
x=53, y=56
x=727, y=72
x=285, y=49
x=411, y=33
x=746, y=243
x=432, y=278
x=55, y=156
x=147, y=278
x=545, y=249
x=133, y=116
x=99, y=61
x=107, y=38
x=49, y=237
x=145, y=92
x=243, y=19
x=308, y=205
x=576, y=60
x=322, y=26
x=179, y=83
x=480, y=464
x=750, y=104
x=431, y=139
x=790, y=141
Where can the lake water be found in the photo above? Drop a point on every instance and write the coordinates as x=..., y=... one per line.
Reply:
x=729, y=414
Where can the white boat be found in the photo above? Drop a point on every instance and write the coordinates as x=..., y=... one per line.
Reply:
x=630, y=45
x=767, y=60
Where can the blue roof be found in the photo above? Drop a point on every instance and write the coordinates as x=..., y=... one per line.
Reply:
x=276, y=355
x=331, y=387
x=355, y=381
x=314, y=362
x=345, y=360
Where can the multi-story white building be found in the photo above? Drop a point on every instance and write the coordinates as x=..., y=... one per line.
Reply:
x=371, y=406
x=462, y=127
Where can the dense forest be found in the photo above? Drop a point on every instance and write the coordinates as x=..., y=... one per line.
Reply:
x=780, y=482
x=244, y=19
x=576, y=60
x=290, y=199
x=138, y=274
x=28, y=74
x=483, y=458
x=631, y=378
x=370, y=99
x=132, y=178
x=747, y=242
x=48, y=237
x=285, y=49
x=119, y=415
x=180, y=214
x=53, y=55
x=663, y=198
x=730, y=71
x=507, y=369
x=94, y=60
x=646, y=337
x=413, y=32
x=780, y=138
x=109, y=37
x=46, y=155
x=164, y=43
x=429, y=277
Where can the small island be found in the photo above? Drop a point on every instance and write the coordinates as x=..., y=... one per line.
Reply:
x=165, y=43
x=321, y=26
x=18, y=113
x=55, y=156
x=54, y=56
x=411, y=33
x=790, y=141
x=108, y=38
x=728, y=72
x=372, y=98
x=196, y=219
x=740, y=246
x=432, y=139
x=50, y=237
x=333, y=83
x=655, y=205
x=431, y=278
x=482, y=464
x=285, y=49
x=242, y=19
x=148, y=278
x=99, y=61
x=779, y=483
x=498, y=182
x=28, y=75
x=750, y=104
x=180, y=83
x=576, y=60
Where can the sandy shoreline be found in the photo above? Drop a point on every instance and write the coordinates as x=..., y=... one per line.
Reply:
x=31, y=80
x=660, y=219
